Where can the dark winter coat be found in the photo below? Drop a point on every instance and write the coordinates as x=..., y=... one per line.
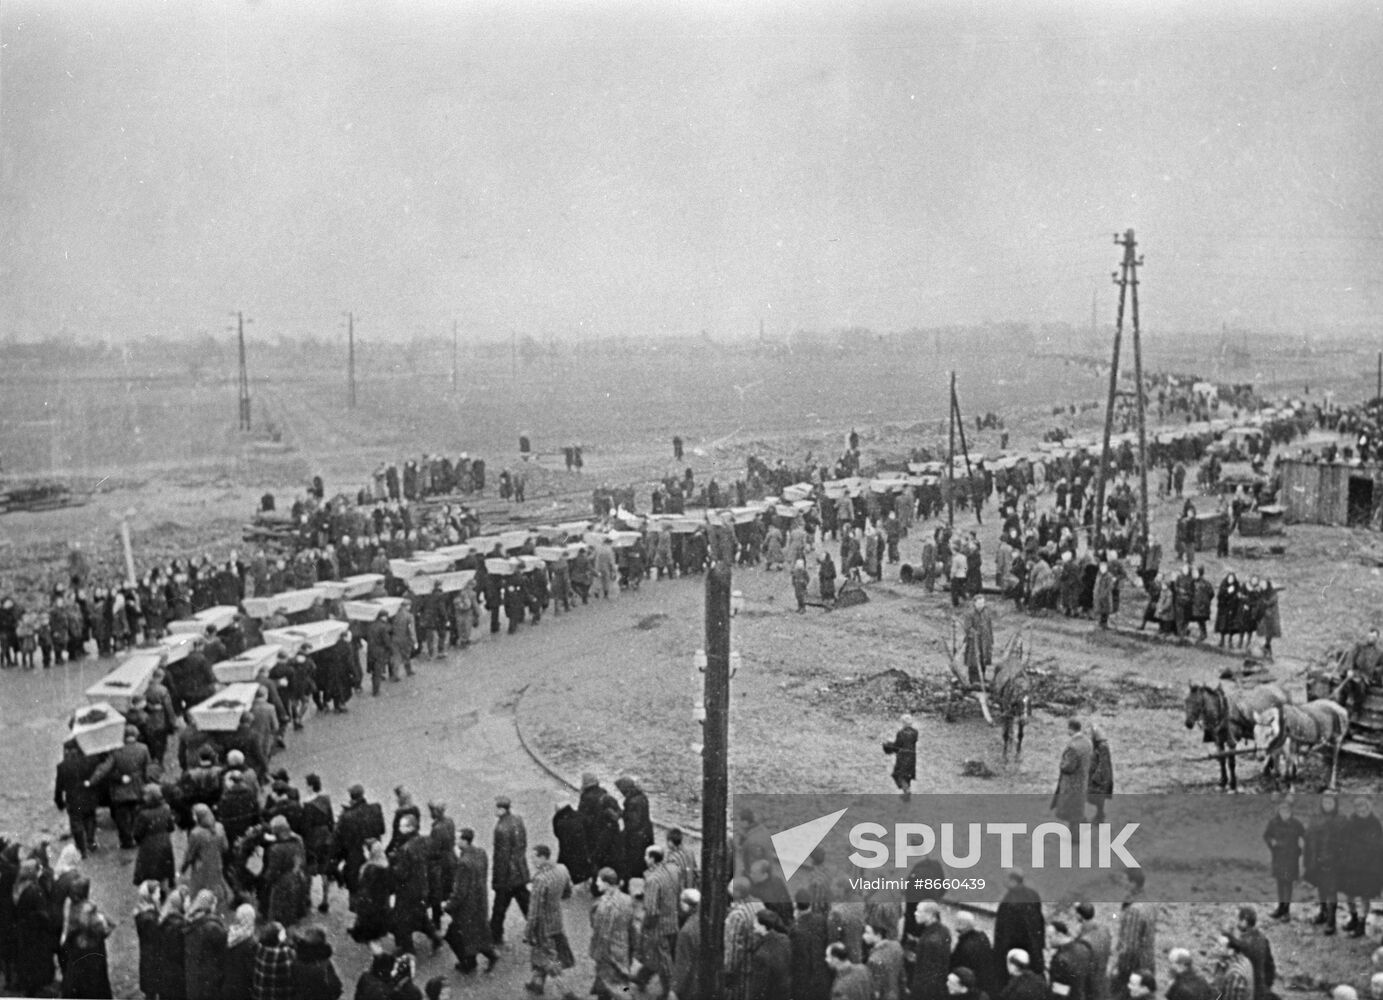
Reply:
x=1101, y=770
x=153, y=828
x=204, y=941
x=1284, y=838
x=239, y=970
x=904, y=750
x=638, y=829
x=1361, y=857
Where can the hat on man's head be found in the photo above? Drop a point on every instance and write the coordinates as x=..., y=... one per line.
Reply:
x=502, y=802
x=588, y=779
x=356, y=791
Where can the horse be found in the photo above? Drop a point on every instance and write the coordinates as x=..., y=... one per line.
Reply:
x=1284, y=728
x=1227, y=721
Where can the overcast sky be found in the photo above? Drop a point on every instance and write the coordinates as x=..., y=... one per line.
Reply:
x=573, y=169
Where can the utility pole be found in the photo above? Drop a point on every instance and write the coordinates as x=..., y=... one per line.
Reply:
x=1379, y=393
x=1131, y=264
x=455, y=376
x=1125, y=278
x=951, y=460
x=958, y=422
x=240, y=322
x=715, y=781
x=350, y=338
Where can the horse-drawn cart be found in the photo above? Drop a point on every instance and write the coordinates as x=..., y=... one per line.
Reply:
x=1364, y=704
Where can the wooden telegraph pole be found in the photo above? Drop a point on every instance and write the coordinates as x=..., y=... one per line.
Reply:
x=244, y=373
x=350, y=361
x=715, y=780
x=951, y=460
x=1126, y=277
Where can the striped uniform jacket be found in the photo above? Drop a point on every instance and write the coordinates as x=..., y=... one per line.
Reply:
x=613, y=937
x=661, y=887
x=685, y=863
x=551, y=885
x=739, y=946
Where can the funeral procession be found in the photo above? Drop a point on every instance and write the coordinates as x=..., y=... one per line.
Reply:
x=691, y=501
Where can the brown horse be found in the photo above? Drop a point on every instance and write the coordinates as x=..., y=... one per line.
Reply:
x=1228, y=721
x=1284, y=729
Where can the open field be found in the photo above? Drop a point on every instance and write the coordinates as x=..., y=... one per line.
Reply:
x=819, y=691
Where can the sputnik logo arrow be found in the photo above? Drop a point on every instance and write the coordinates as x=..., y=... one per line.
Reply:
x=795, y=844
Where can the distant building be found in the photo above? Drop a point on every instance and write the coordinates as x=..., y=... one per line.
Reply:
x=1335, y=493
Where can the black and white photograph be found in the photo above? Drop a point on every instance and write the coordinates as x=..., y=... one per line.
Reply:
x=691, y=501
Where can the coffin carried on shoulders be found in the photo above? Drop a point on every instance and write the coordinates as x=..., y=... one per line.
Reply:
x=332, y=590
x=221, y=712
x=517, y=539
x=220, y=618
x=594, y=539
x=176, y=647
x=625, y=539
x=406, y=569
x=260, y=608
x=246, y=666
x=484, y=544
x=98, y=728
x=368, y=611
x=744, y=515
x=129, y=679
x=291, y=602
x=889, y=484
x=455, y=553
x=362, y=585
x=531, y=563
x=574, y=529
x=573, y=549
x=550, y=553
x=449, y=583
x=500, y=567
x=317, y=636
x=798, y=491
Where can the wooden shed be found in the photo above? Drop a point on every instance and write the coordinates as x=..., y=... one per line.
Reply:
x=1333, y=493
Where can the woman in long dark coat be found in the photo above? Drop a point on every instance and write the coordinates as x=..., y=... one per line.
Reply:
x=904, y=751
x=1324, y=849
x=1227, y=608
x=172, y=950
x=204, y=951
x=370, y=901
x=638, y=829
x=1285, y=837
x=1250, y=609
x=146, y=928
x=1361, y=864
x=153, y=828
x=238, y=969
x=86, y=971
x=35, y=934
x=1269, y=623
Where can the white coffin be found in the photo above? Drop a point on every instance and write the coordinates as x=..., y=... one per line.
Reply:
x=260, y=608
x=451, y=582
x=455, y=552
x=406, y=569
x=499, y=567
x=363, y=584
x=332, y=590
x=798, y=491
x=744, y=515
x=594, y=539
x=220, y=618
x=98, y=728
x=576, y=548
x=549, y=553
x=368, y=611
x=624, y=539
x=247, y=665
x=574, y=527
x=317, y=635
x=176, y=647
x=514, y=539
x=125, y=681
x=222, y=711
x=531, y=563
x=293, y=601
x=484, y=544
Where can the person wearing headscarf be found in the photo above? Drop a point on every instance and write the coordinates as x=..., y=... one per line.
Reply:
x=86, y=971
x=637, y=835
x=376, y=982
x=370, y=900
x=146, y=920
x=273, y=973
x=172, y=950
x=286, y=888
x=203, y=864
x=66, y=874
x=152, y=831
x=314, y=973
x=239, y=966
x=204, y=951
x=35, y=934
